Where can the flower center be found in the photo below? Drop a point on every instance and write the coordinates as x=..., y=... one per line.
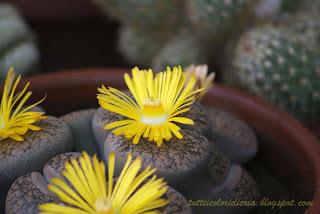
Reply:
x=153, y=112
x=103, y=206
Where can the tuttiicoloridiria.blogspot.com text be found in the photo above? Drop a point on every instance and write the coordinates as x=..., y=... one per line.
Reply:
x=264, y=202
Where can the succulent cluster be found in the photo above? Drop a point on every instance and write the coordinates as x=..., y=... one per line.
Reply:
x=270, y=47
x=17, y=46
x=150, y=138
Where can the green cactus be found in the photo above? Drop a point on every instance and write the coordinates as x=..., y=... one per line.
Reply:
x=305, y=29
x=273, y=8
x=304, y=26
x=17, y=46
x=140, y=45
x=267, y=62
x=183, y=49
x=290, y=5
x=144, y=12
x=216, y=19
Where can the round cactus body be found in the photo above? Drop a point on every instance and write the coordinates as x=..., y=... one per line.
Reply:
x=145, y=12
x=304, y=26
x=184, y=49
x=140, y=45
x=306, y=30
x=17, y=47
x=268, y=63
x=214, y=19
x=270, y=9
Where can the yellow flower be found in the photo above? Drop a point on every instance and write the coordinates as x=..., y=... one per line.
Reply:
x=87, y=191
x=205, y=81
x=158, y=100
x=15, y=119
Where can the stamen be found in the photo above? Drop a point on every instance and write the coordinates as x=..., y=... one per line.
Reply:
x=154, y=120
x=153, y=112
x=103, y=206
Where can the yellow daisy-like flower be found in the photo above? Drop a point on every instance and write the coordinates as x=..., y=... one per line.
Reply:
x=15, y=119
x=158, y=100
x=88, y=192
x=204, y=80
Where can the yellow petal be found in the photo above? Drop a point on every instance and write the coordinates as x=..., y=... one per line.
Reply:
x=182, y=120
x=16, y=118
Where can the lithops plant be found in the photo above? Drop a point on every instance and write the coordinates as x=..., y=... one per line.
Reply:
x=236, y=186
x=162, y=13
x=268, y=63
x=72, y=187
x=27, y=138
x=99, y=120
x=199, y=115
x=225, y=180
x=80, y=123
x=183, y=49
x=180, y=162
x=139, y=44
x=153, y=121
x=215, y=19
x=17, y=43
x=232, y=136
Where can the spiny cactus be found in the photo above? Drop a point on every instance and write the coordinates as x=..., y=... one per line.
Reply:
x=145, y=12
x=305, y=25
x=215, y=19
x=305, y=28
x=268, y=63
x=17, y=46
x=140, y=45
x=183, y=49
x=272, y=8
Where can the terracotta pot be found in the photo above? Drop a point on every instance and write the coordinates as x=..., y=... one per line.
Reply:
x=315, y=128
x=286, y=148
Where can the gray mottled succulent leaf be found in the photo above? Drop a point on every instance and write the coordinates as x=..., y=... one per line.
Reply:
x=200, y=116
x=100, y=119
x=238, y=185
x=17, y=158
x=54, y=166
x=80, y=123
x=232, y=136
x=26, y=193
x=178, y=204
x=180, y=162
